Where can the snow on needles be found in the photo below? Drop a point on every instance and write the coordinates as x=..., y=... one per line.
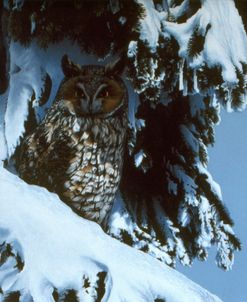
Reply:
x=225, y=42
x=59, y=250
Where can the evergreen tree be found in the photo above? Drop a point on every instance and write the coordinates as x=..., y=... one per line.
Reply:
x=172, y=207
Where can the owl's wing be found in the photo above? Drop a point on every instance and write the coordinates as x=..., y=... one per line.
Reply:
x=44, y=157
x=29, y=158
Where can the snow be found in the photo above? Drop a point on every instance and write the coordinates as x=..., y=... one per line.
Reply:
x=139, y=158
x=215, y=187
x=132, y=49
x=33, y=24
x=188, y=183
x=231, y=38
x=206, y=231
x=189, y=139
x=3, y=144
x=17, y=108
x=196, y=104
x=133, y=103
x=181, y=76
x=177, y=11
x=60, y=250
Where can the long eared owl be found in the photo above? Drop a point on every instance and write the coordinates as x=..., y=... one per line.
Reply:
x=77, y=150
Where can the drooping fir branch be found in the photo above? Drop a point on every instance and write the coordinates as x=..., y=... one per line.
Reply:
x=238, y=93
x=175, y=184
x=196, y=42
x=145, y=70
x=167, y=51
x=209, y=78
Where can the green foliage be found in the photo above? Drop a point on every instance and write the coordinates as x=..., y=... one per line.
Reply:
x=149, y=72
x=5, y=252
x=69, y=295
x=84, y=22
x=12, y=297
x=168, y=54
x=238, y=92
x=196, y=42
x=241, y=6
x=46, y=91
x=209, y=77
x=55, y=295
x=165, y=140
x=100, y=287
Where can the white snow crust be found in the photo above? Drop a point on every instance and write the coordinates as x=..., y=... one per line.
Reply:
x=59, y=249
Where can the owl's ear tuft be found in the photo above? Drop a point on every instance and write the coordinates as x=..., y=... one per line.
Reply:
x=69, y=68
x=116, y=68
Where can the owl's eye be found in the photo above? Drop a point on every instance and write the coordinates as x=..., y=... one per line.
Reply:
x=79, y=93
x=104, y=93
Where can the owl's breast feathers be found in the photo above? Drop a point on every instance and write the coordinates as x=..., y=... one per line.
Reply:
x=79, y=158
x=77, y=150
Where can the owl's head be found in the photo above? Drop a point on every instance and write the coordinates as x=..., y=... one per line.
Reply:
x=95, y=91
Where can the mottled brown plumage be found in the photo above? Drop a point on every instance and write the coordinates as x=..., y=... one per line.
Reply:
x=77, y=150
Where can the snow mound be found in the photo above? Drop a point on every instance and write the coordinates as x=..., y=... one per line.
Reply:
x=48, y=253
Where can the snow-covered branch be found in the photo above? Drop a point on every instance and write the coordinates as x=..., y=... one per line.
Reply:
x=47, y=252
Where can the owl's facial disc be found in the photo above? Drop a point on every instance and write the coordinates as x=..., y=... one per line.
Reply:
x=87, y=96
x=107, y=99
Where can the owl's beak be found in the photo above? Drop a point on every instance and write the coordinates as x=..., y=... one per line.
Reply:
x=86, y=106
x=90, y=106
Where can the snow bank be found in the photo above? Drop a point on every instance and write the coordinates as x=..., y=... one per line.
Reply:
x=45, y=246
